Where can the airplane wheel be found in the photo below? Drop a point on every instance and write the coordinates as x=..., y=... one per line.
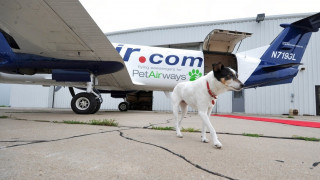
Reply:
x=84, y=103
x=97, y=107
x=124, y=106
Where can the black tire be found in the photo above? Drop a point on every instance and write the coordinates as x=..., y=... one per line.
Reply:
x=84, y=103
x=124, y=106
x=97, y=107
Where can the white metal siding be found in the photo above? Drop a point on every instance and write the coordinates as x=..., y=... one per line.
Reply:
x=161, y=102
x=5, y=94
x=224, y=103
x=32, y=96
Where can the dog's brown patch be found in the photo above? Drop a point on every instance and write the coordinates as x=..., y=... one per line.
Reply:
x=223, y=80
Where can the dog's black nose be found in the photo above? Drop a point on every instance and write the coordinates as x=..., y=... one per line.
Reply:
x=241, y=85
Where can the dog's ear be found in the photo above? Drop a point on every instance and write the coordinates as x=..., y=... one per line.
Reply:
x=217, y=67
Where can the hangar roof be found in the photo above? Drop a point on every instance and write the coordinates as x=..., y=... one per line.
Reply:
x=196, y=32
x=284, y=16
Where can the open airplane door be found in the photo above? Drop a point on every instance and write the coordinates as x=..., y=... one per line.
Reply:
x=218, y=47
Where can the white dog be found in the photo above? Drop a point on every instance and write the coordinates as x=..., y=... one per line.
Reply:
x=201, y=95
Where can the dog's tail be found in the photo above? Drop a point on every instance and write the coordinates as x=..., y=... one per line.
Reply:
x=168, y=94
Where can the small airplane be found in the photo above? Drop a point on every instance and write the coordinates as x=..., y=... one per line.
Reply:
x=48, y=42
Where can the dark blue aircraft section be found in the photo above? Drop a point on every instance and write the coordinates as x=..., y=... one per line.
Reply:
x=279, y=64
x=62, y=69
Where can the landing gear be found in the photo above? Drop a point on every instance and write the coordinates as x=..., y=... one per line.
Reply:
x=86, y=102
x=97, y=107
x=124, y=106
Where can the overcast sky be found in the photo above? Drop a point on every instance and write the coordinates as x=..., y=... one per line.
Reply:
x=117, y=15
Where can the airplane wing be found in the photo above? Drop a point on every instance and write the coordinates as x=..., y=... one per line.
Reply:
x=60, y=29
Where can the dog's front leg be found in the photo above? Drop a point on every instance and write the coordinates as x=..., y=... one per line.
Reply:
x=204, y=127
x=206, y=121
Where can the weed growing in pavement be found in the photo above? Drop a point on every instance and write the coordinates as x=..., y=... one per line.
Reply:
x=190, y=130
x=306, y=138
x=104, y=122
x=4, y=117
x=167, y=128
x=251, y=135
x=72, y=122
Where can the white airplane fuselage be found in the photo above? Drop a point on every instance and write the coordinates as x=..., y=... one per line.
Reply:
x=150, y=68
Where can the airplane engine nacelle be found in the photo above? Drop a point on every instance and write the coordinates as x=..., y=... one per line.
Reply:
x=70, y=75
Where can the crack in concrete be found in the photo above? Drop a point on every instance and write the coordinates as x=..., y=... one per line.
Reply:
x=128, y=127
x=146, y=143
x=121, y=134
x=315, y=164
x=54, y=140
x=178, y=155
x=167, y=122
x=71, y=137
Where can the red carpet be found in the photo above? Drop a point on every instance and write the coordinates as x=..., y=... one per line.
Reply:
x=290, y=122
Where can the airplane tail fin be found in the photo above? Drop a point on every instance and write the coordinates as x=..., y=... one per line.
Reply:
x=291, y=43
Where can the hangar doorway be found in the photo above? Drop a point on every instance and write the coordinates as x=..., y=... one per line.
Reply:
x=140, y=100
x=238, y=101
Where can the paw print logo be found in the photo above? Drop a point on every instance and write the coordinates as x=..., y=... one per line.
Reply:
x=194, y=74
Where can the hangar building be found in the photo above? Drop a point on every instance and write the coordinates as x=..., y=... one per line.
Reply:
x=302, y=94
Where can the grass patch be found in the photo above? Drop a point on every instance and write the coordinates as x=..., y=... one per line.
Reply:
x=251, y=135
x=4, y=117
x=167, y=128
x=306, y=138
x=190, y=130
x=291, y=117
x=104, y=122
x=72, y=122
x=3, y=106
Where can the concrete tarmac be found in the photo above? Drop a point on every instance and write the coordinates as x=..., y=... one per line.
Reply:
x=35, y=144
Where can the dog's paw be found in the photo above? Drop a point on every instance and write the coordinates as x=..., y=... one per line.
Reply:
x=180, y=135
x=217, y=145
x=204, y=140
